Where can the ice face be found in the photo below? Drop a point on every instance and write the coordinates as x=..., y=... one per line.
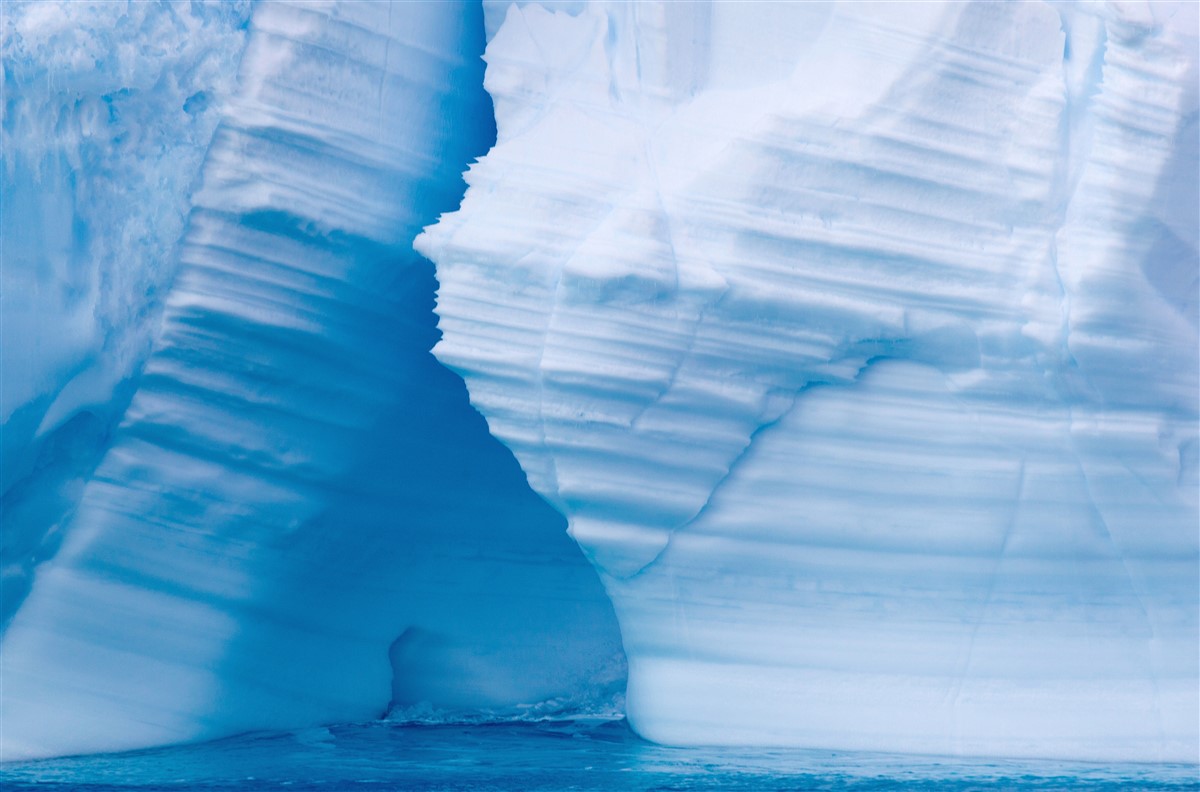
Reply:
x=300, y=520
x=96, y=121
x=858, y=344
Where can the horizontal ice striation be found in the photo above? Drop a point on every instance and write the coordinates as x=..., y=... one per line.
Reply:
x=301, y=519
x=858, y=343
x=128, y=94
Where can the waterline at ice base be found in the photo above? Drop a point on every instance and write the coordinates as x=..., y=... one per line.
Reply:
x=818, y=376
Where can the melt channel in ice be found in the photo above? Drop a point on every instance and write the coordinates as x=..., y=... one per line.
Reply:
x=858, y=344
x=300, y=519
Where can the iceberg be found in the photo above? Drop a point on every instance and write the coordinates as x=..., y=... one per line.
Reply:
x=858, y=344
x=803, y=374
x=95, y=121
x=300, y=519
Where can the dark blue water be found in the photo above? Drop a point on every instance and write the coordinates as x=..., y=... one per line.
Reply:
x=562, y=755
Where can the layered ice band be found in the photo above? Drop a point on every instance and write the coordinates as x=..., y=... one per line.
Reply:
x=858, y=343
x=300, y=519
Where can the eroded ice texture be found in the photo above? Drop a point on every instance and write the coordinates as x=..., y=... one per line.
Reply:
x=858, y=343
x=301, y=519
x=108, y=110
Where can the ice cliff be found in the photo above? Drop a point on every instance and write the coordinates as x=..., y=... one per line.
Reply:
x=300, y=519
x=856, y=343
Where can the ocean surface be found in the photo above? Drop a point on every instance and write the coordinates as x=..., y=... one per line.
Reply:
x=553, y=755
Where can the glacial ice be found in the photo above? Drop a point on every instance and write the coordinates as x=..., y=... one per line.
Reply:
x=300, y=519
x=856, y=344
x=95, y=122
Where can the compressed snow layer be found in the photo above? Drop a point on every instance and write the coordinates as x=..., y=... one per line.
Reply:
x=301, y=520
x=858, y=343
x=104, y=105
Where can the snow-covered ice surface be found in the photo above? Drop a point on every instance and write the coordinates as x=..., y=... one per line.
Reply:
x=858, y=344
x=300, y=518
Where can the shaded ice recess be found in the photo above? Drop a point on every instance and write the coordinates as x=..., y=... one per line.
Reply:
x=301, y=519
x=858, y=343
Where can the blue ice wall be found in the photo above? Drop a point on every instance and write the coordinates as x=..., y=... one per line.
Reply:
x=301, y=519
x=101, y=139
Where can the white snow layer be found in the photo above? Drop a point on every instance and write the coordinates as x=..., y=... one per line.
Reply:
x=858, y=344
x=300, y=519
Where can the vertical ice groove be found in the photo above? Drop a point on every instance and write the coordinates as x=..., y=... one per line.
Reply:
x=958, y=221
x=297, y=484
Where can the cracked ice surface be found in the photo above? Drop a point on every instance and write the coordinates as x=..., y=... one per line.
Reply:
x=858, y=343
